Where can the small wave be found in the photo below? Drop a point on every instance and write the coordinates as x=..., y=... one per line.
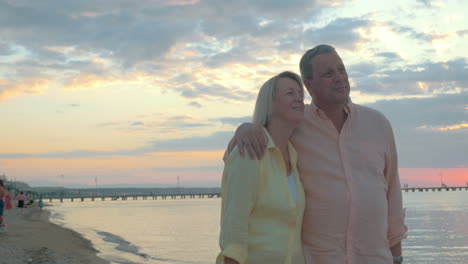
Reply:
x=57, y=218
x=122, y=244
x=125, y=246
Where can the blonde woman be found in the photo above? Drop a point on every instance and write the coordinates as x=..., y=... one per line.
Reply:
x=263, y=200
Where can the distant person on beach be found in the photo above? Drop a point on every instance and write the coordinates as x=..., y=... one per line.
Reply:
x=263, y=200
x=30, y=199
x=40, y=203
x=20, y=200
x=348, y=165
x=8, y=204
x=2, y=204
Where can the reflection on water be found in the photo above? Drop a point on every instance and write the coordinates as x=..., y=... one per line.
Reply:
x=186, y=231
x=151, y=231
x=438, y=231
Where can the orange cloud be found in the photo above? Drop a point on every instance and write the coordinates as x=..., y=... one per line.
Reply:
x=183, y=2
x=61, y=49
x=445, y=128
x=9, y=89
x=93, y=81
x=423, y=86
x=454, y=127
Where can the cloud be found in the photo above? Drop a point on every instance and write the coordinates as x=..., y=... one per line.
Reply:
x=129, y=35
x=237, y=18
x=389, y=55
x=445, y=128
x=234, y=121
x=414, y=34
x=341, y=33
x=195, y=104
x=94, y=81
x=462, y=33
x=430, y=132
x=90, y=81
x=159, y=124
x=6, y=49
x=132, y=32
x=9, y=89
x=199, y=90
x=427, y=3
x=443, y=147
x=99, y=43
x=425, y=78
x=362, y=69
x=216, y=141
x=210, y=50
x=235, y=55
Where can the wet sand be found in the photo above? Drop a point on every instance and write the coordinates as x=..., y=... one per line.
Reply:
x=31, y=238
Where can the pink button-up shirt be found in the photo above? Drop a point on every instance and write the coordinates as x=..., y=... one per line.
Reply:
x=353, y=211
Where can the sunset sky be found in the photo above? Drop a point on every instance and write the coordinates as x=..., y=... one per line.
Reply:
x=145, y=92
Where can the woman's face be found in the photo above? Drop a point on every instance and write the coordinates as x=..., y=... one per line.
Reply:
x=288, y=102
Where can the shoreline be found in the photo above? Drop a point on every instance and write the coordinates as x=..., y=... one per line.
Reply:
x=32, y=238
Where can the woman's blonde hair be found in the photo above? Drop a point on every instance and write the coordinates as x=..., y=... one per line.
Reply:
x=265, y=97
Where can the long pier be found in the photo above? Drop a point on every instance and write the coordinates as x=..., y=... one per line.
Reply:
x=57, y=197
x=434, y=189
x=125, y=197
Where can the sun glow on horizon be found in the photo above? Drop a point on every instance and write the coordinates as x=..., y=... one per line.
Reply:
x=434, y=177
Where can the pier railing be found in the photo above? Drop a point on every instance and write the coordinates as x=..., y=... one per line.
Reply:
x=124, y=197
x=434, y=189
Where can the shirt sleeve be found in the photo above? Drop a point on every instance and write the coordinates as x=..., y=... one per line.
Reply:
x=396, y=215
x=239, y=189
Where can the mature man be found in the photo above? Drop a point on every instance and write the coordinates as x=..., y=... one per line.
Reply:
x=348, y=166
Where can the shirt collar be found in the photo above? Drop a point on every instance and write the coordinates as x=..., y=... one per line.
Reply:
x=270, y=143
x=349, y=109
x=291, y=149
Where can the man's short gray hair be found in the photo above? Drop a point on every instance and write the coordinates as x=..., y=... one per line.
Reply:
x=306, y=61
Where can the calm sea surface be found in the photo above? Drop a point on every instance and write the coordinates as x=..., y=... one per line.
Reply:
x=186, y=230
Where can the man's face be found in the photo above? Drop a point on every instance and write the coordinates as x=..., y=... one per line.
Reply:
x=330, y=84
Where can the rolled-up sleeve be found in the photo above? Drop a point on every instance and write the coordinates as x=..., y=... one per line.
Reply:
x=239, y=187
x=396, y=215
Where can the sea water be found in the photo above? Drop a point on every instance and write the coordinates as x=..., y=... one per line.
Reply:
x=186, y=230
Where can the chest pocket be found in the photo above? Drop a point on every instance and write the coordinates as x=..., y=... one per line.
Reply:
x=367, y=160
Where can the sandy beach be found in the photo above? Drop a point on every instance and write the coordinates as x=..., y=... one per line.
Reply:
x=31, y=238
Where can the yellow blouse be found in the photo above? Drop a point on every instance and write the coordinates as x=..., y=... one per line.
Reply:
x=260, y=222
